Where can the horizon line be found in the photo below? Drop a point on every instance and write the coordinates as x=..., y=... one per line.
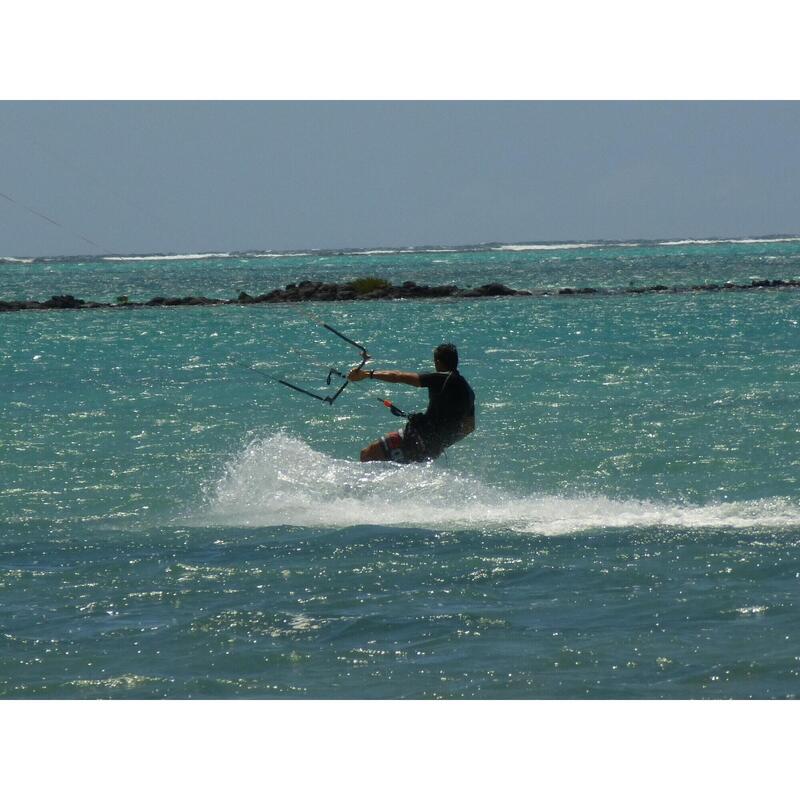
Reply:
x=761, y=238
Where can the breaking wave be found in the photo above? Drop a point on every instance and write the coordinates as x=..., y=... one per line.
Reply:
x=176, y=257
x=398, y=251
x=258, y=254
x=729, y=241
x=280, y=480
x=523, y=247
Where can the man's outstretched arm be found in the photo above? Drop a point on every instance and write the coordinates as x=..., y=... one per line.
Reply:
x=387, y=375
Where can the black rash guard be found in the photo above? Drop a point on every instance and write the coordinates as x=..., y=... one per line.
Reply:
x=451, y=401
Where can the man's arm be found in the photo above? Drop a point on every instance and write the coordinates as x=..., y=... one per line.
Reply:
x=387, y=375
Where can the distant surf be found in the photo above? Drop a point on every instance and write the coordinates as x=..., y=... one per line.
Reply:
x=771, y=240
x=483, y=247
x=555, y=246
x=176, y=257
x=281, y=480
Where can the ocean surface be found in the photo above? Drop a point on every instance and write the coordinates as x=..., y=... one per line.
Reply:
x=624, y=522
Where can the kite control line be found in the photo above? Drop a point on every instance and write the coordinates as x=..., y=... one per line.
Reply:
x=332, y=371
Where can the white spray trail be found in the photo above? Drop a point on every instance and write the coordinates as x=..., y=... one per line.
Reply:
x=280, y=480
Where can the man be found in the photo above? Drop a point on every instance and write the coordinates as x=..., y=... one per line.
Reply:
x=450, y=415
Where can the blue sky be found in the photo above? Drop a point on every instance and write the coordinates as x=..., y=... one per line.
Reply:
x=138, y=177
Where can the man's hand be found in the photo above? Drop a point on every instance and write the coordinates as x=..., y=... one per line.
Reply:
x=356, y=375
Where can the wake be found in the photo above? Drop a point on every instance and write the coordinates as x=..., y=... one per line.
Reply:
x=280, y=480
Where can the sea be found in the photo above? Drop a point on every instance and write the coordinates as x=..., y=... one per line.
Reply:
x=624, y=523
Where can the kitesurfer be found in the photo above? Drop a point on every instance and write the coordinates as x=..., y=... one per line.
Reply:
x=450, y=415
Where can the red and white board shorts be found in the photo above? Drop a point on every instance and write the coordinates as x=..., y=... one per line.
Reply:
x=405, y=446
x=393, y=447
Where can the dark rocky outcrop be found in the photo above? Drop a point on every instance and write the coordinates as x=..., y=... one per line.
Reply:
x=491, y=290
x=63, y=301
x=317, y=291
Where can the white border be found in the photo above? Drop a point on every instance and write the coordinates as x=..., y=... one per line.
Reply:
x=141, y=749
x=418, y=49
x=684, y=49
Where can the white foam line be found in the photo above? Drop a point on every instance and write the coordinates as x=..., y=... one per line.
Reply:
x=727, y=241
x=393, y=252
x=275, y=255
x=181, y=257
x=397, y=252
x=523, y=247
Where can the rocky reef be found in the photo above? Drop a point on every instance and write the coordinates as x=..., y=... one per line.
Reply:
x=317, y=291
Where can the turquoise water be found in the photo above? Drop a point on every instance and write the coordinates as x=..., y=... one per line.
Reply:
x=624, y=523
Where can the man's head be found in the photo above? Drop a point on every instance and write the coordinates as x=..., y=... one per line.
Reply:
x=445, y=357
